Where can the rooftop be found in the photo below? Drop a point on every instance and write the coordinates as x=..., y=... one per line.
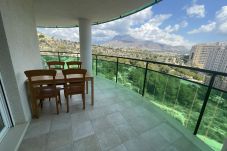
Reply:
x=121, y=120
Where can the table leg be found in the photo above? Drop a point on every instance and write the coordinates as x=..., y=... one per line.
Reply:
x=87, y=87
x=92, y=91
x=35, y=113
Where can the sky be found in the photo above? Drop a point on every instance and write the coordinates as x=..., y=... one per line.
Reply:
x=172, y=22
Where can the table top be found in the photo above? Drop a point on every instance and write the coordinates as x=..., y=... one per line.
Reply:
x=59, y=78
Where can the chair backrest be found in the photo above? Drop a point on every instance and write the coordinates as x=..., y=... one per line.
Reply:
x=41, y=77
x=74, y=64
x=74, y=76
x=56, y=65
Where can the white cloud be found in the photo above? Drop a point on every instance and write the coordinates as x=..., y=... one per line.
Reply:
x=61, y=33
x=204, y=28
x=152, y=31
x=170, y=28
x=121, y=26
x=142, y=25
x=140, y=17
x=105, y=31
x=176, y=27
x=219, y=24
x=184, y=24
x=196, y=11
x=221, y=17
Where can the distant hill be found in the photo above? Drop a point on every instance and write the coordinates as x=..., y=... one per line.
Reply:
x=127, y=41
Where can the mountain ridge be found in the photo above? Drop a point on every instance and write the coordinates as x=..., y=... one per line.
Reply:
x=127, y=41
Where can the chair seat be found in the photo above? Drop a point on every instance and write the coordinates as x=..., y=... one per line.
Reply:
x=73, y=90
x=46, y=92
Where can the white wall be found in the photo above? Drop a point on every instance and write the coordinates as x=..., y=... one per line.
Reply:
x=8, y=76
x=22, y=53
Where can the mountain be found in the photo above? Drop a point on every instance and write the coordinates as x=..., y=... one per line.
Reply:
x=127, y=41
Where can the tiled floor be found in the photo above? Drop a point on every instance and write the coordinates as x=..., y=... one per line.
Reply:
x=120, y=120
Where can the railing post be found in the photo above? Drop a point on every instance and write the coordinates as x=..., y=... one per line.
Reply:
x=59, y=59
x=117, y=70
x=145, y=78
x=204, y=103
x=96, y=66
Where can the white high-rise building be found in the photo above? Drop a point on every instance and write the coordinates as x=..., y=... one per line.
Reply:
x=211, y=56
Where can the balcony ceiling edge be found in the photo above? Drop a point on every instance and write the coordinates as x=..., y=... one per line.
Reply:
x=66, y=15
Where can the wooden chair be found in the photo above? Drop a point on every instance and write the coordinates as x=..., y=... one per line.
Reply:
x=57, y=65
x=74, y=64
x=42, y=85
x=74, y=84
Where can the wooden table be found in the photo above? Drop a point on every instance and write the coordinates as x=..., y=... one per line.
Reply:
x=59, y=81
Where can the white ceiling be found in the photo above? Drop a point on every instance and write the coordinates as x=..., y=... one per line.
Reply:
x=65, y=13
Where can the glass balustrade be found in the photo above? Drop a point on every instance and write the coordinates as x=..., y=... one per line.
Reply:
x=178, y=92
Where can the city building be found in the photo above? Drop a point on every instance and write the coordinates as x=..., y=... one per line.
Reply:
x=211, y=56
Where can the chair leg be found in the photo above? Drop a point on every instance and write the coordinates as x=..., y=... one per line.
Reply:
x=87, y=87
x=56, y=99
x=41, y=103
x=59, y=98
x=83, y=98
x=67, y=102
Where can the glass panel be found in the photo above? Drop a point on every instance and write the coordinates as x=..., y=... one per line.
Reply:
x=213, y=128
x=46, y=58
x=180, y=98
x=66, y=57
x=3, y=113
x=93, y=65
x=107, y=69
x=1, y=123
x=131, y=77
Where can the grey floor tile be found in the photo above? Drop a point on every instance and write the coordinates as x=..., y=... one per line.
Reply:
x=137, y=145
x=38, y=128
x=78, y=118
x=120, y=120
x=35, y=143
x=125, y=132
x=119, y=148
x=141, y=125
x=154, y=140
x=168, y=132
x=59, y=138
x=96, y=113
x=171, y=148
x=89, y=143
x=61, y=122
x=116, y=119
x=184, y=144
x=101, y=124
x=68, y=147
x=108, y=139
x=82, y=130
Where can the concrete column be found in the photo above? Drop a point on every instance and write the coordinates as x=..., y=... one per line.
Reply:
x=85, y=44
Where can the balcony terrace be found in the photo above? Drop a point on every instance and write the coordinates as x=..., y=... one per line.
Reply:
x=121, y=120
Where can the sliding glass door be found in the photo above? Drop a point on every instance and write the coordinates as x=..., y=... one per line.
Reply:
x=5, y=121
x=1, y=123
